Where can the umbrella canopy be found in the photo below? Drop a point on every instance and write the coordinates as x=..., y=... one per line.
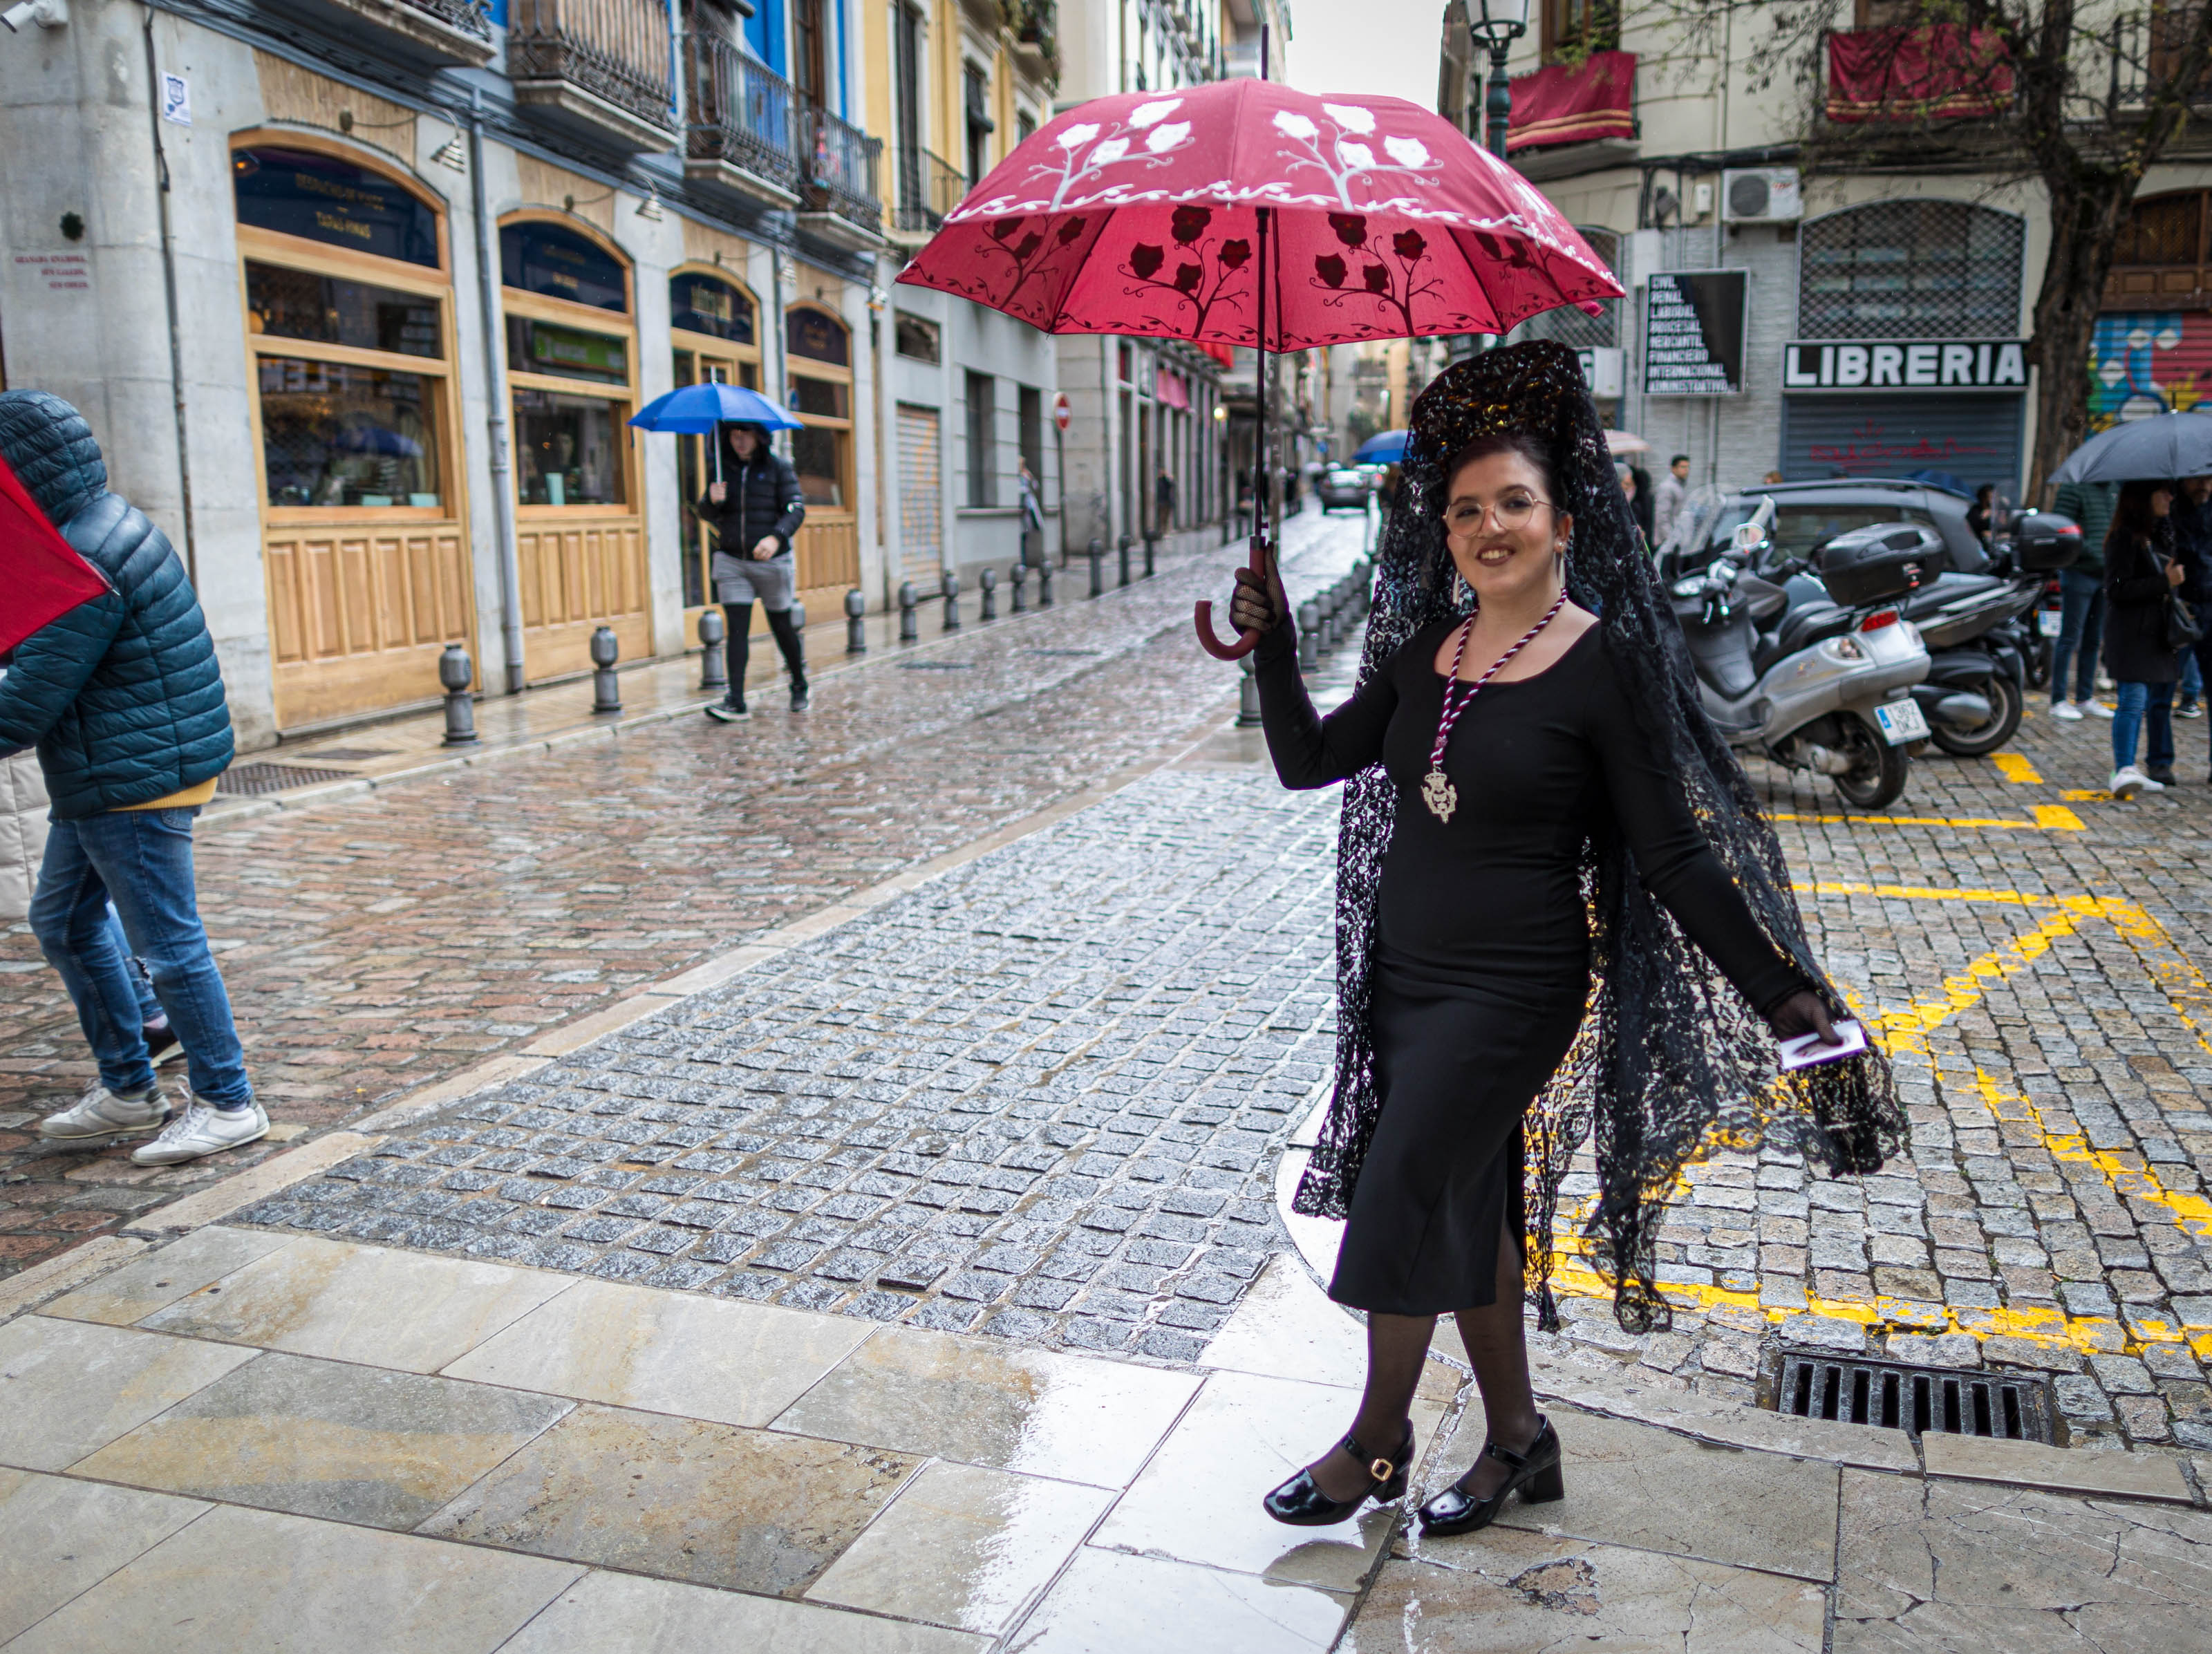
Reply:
x=1619, y=442
x=41, y=577
x=695, y=409
x=1139, y=214
x=2165, y=446
x=1383, y=448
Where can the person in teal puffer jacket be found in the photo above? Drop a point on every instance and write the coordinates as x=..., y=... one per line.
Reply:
x=123, y=699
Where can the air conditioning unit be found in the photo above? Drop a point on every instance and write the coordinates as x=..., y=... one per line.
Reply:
x=1761, y=195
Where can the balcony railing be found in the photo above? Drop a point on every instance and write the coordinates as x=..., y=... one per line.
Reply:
x=614, y=51
x=469, y=17
x=743, y=113
x=929, y=187
x=841, y=170
x=435, y=33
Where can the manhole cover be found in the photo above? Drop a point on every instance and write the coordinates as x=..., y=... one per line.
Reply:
x=252, y=779
x=937, y=665
x=1898, y=1395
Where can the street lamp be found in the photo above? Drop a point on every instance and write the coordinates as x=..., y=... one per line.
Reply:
x=1498, y=25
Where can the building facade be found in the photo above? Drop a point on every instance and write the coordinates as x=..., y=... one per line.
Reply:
x=359, y=300
x=1806, y=295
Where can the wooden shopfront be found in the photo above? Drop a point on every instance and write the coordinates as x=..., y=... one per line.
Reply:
x=570, y=310
x=714, y=330
x=818, y=365
x=349, y=326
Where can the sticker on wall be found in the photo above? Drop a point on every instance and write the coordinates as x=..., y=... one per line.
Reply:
x=176, y=99
x=2143, y=363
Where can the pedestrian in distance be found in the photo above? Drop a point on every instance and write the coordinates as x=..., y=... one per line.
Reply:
x=123, y=699
x=1674, y=495
x=1984, y=517
x=756, y=510
x=2082, y=601
x=1641, y=507
x=1770, y=480
x=1508, y=749
x=1627, y=473
x=2142, y=575
x=1032, y=510
x=2192, y=539
x=1163, y=501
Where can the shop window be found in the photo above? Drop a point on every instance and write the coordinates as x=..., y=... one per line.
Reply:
x=560, y=263
x=982, y=440
x=823, y=399
x=321, y=198
x=338, y=436
x=569, y=449
x=699, y=303
x=916, y=337
x=542, y=347
x=817, y=335
x=297, y=304
x=1919, y=269
x=819, y=455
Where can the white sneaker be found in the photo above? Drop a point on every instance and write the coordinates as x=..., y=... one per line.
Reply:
x=2128, y=780
x=2096, y=708
x=103, y=1113
x=2067, y=710
x=202, y=1129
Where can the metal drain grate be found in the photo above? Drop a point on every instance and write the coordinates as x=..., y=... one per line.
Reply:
x=1916, y=1399
x=254, y=779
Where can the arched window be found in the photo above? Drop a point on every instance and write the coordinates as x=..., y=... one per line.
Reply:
x=820, y=370
x=702, y=302
x=1910, y=270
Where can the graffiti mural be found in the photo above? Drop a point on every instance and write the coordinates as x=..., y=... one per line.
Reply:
x=2142, y=362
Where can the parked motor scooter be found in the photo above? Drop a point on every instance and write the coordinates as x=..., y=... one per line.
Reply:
x=1822, y=685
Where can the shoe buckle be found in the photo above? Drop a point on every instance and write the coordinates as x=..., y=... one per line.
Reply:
x=1382, y=1470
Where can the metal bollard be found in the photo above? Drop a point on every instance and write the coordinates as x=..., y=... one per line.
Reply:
x=949, y=584
x=1152, y=545
x=1125, y=544
x=856, y=622
x=1044, y=584
x=1248, y=695
x=1018, y=577
x=1308, y=635
x=714, y=632
x=986, y=604
x=909, y=628
x=1097, y=555
x=455, y=674
x=606, y=689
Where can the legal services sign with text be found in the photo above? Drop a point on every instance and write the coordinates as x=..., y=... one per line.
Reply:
x=1904, y=365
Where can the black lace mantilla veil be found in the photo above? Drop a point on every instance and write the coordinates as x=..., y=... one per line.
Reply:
x=1670, y=1059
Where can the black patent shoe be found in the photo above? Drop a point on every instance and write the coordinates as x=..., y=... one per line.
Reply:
x=1301, y=1503
x=1533, y=1475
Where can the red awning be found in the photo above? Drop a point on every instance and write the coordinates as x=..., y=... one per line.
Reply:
x=1560, y=104
x=1944, y=71
x=1224, y=353
x=1168, y=391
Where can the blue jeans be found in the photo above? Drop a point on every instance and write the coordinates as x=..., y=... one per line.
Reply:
x=2141, y=704
x=2192, y=677
x=142, y=859
x=2081, y=633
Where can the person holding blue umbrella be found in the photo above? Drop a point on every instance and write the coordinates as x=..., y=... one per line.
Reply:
x=755, y=507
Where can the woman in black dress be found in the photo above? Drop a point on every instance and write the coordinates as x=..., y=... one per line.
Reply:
x=1529, y=770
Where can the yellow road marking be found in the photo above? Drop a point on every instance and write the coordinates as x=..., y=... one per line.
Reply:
x=2191, y=1212
x=2086, y=795
x=2015, y=768
x=2048, y=818
x=1928, y=893
x=2058, y=818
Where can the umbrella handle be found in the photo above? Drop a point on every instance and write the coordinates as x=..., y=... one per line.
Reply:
x=1245, y=643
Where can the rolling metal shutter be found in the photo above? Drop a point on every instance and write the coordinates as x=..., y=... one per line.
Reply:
x=1975, y=439
x=921, y=494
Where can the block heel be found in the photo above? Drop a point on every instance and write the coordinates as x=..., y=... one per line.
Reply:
x=1548, y=1486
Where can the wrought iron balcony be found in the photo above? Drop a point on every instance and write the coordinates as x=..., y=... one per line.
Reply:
x=929, y=187
x=430, y=34
x=744, y=130
x=597, y=64
x=842, y=205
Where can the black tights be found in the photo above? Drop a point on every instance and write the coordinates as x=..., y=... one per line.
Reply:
x=1397, y=1345
x=740, y=617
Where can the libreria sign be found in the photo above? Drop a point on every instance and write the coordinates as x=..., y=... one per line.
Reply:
x=1904, y=365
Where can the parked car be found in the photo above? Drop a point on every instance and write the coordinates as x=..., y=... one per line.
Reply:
x=1808, y=515
x=1343, y=485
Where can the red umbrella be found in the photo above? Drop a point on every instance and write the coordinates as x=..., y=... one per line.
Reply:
x=41, y=577
x=1242, y=212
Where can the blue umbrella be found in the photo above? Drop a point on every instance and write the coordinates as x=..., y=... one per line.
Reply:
x=695, y=409
x=2164, y=446
x=1383, y=448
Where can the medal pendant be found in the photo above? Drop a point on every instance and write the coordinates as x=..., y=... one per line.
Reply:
x=1439, y=795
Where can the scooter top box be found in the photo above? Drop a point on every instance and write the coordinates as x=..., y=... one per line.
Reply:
x=2042, y=541
x=1877, y=563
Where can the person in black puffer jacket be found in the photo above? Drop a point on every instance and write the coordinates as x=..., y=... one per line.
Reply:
x=124, y=698
x=2141, y=569
x=756, y=509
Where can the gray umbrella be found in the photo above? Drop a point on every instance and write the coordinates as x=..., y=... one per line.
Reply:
x=2163, y=446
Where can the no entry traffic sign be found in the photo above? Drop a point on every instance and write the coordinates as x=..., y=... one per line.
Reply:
x=1059, y=414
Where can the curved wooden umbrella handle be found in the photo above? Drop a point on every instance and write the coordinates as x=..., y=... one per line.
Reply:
x=1245, y=643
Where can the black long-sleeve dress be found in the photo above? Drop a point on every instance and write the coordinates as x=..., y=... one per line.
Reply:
x=1481, y=951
